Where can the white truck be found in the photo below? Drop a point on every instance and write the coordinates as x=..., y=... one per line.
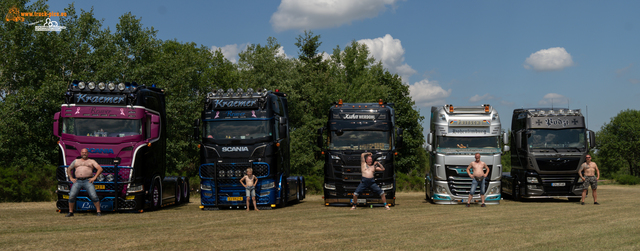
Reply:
x=456, y=135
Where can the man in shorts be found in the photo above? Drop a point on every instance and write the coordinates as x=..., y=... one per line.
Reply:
x=84, y=178
x=368, y=168
x=478, y=176
x=249, y=182
x=589, y=178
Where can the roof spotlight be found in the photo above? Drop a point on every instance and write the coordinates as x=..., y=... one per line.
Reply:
x=81, y=85
x=229, y=92
x=259, y=91
x=121, y=86
x=111, y=86
x=220, y=91
x=91, y=85
x=239, y=91
x=210, y=95
x=250, y=91
x=101, y=86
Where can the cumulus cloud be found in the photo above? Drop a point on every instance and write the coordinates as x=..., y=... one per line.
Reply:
x=389, y=51
x=553, y=99
x=231, y=51
x=477, y=98
x=314, y=14
x=552, y=59
x=427, y=93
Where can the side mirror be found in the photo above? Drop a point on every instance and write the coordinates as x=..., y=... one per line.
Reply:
x=429, y=148
x=56, y=124
x=319, y=139
x=592, y=139
x=282, y=127
x=196, y=129
x=196, y=122
x=155, y=126
x=505, y=138
x=518, y=139
x=430, y=138
x=506, y=149
x=400, y=131
x=400, y=142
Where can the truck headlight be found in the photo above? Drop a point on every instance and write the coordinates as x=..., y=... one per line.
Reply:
x=440, y=189
x=381, y=158
x=268, y=185
x=135, y=189
x=532, y=180
x=387, y=187
x=494, y=190
x=205, y=187
x=63, y=187
x=329, y=186
x=334, y=157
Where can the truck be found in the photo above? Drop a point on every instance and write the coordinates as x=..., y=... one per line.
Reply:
x=240, y=130
x=352, y=129
x=123, y=127
x=456, y=134
x=548, y=145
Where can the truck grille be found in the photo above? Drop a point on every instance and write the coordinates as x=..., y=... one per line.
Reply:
x=549, y=189
x=558, y=164
x=459, y=181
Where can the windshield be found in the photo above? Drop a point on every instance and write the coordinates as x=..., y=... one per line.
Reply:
x=467, y=142
x=238, y=129
x=360, y=140
x=101, y=127
x=565, y=138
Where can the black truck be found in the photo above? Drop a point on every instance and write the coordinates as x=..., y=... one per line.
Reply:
x=354, y=128
x=547, y=147
x=240, y=130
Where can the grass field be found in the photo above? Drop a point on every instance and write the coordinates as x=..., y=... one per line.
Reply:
x=412, y=224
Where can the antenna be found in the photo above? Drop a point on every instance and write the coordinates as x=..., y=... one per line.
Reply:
x=587, y=116
x=551, y=103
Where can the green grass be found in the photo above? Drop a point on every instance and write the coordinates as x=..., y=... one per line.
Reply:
x=412, y=224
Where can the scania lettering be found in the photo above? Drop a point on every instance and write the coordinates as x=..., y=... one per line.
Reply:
x=547, y=149
x=240, y=130
x=456, y=134
x=124, y=128
x=354, y=128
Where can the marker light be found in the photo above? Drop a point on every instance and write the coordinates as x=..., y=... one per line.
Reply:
x=277, y=90
x=380, y=101
x=91, y=85
x=101, y=86
x=486, y=108
x=450, y=108
x=81, y=85
x=340, y=101
x=278, y=144
x=121, y=86
x=111, y=86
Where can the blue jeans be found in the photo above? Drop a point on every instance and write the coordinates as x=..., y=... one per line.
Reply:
x=474, y=184
x=75, y=189
x=370, y=183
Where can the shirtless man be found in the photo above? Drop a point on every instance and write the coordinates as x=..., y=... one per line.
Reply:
x=84, y=178
x=589, y=178
x=478, y=177
x=368, y=167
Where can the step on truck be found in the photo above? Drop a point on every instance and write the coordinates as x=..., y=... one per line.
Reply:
x=352, y=129
x=548, y=145
x=456, y=134
x=123, y=126
x=240, y=130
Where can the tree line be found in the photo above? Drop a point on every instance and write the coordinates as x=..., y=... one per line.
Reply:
x=37, y=67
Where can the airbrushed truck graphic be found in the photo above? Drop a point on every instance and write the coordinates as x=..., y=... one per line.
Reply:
x=456, y=135
x=243, y=130
x=352, y=129
x=123, y=126
x=547, y=147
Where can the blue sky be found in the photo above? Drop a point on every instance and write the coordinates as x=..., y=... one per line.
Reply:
x=509, y=54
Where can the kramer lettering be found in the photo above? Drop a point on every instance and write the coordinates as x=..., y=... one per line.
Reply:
x=99, y=99
x=236, y=103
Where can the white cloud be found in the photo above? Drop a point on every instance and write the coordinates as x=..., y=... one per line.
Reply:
x=325, y=56
x=552, y=59
x=619, y=72
x=314, y=14
x=390, y=52
x=427, y=93
x=477, y=98
x=231, y=51
x=553, y=99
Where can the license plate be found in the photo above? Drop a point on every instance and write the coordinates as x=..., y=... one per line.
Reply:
x=234, y=198
x=557, y=184
x=362, y=201
x=99, y=187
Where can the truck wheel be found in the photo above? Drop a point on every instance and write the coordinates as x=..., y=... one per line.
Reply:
x=516, y=191
x=185, y=191
x=156, y=195
x=179, y=192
